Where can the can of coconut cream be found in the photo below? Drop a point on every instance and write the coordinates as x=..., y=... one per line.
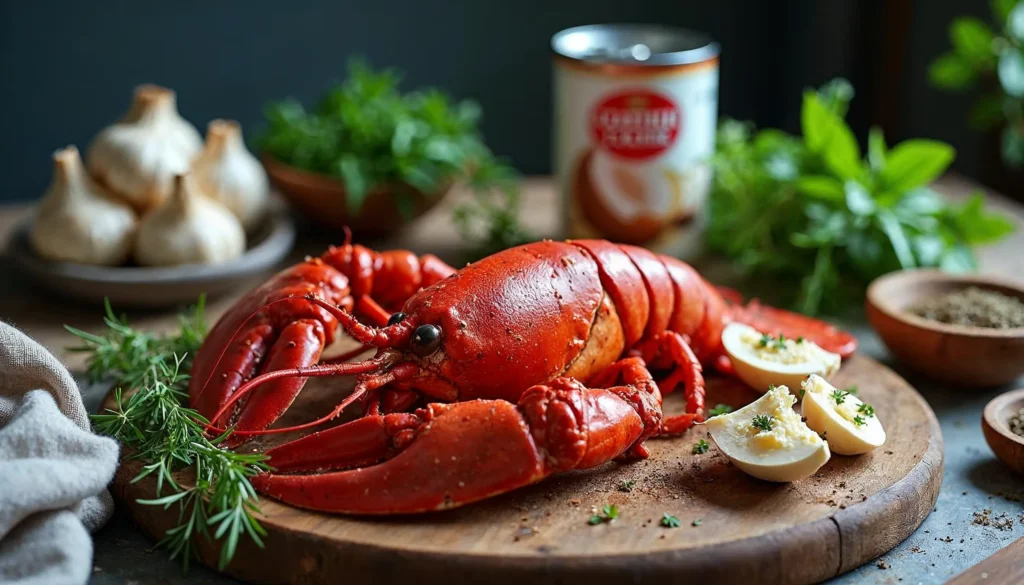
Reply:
x=635, y=111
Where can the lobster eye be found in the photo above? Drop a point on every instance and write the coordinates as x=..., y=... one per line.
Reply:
x=426, y=339
x=396, y=318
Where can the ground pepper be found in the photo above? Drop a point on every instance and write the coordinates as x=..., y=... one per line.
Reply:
x=973, y=306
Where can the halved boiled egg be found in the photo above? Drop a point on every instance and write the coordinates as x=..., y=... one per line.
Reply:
x=850, y=426
x=767, y=439
x=762, y=360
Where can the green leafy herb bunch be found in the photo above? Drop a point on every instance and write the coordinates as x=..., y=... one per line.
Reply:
x=816, y=213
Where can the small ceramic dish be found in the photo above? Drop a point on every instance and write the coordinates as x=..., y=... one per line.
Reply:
x=155, y=287
x=322, y=199
x=965, y=355
x=995, y=423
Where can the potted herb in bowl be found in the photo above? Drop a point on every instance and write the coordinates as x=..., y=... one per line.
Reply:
x=371, y=158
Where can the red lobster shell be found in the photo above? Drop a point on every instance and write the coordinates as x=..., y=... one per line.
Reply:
x=532, y=361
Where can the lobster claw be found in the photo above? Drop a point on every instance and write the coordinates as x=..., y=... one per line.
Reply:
x=461, y=453
x=448, y=455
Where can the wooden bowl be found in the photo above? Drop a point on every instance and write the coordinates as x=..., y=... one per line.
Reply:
x=322, y=199
x=969, y=356
x=995, y=423
x=156, y=287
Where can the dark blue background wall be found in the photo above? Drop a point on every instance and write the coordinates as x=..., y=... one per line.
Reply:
x=68, y=68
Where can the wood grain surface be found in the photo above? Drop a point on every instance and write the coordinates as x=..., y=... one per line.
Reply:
x=748, y=531
x=1006, y=567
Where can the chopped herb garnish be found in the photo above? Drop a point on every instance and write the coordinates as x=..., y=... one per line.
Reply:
x=839, y=396
x=765, y=340
x=697, y=522
x=669, y=521
x=800, y=339
x=802, y=392
x=626, y=485
x=763, y=422
x=780, y=343
x=608, y=513
x=719, y=409
x=866, y=409
x=771, y=387
x=701, y=447
x=859, y=421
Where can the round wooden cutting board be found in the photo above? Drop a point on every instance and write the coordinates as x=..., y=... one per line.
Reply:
x=734, y=529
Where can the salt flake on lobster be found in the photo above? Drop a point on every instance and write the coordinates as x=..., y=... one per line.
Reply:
x=536, y=360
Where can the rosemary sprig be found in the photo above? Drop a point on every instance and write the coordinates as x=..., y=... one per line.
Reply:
x=154, y=421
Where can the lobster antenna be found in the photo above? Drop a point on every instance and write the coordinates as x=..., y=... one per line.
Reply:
x=316, y=371
x=381, y=337
x=400, y=372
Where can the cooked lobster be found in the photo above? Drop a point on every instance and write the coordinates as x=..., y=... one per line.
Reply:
x=532, y=361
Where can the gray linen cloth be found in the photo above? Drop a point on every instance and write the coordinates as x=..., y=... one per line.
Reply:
x=53, y=471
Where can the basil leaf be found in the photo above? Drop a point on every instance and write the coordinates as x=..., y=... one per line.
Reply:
x=820, y=187
x=900, y=245
x=858, y=200
x=978, y=227
x=1011, y=72
x=401, y=141
x=972, y=39
x=928, y=249
x=913, y=163
x=827, y=134
x=876, y=149
x=1015, y=22
x=951, y=71
x=836, y=95
x=922, y=201
x=959, y=258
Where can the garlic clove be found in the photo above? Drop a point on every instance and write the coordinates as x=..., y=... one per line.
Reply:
x=227, y=172
x=188, y=228
x=137, y=157
x=77, y=222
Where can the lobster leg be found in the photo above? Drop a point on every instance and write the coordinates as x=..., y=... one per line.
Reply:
x=468, y=451
x=669, y=349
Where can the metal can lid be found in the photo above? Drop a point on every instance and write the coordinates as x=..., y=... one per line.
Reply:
x=634, y=44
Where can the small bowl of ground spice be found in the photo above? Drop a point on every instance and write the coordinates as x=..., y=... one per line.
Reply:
x=1003, y=425
x=965, y=329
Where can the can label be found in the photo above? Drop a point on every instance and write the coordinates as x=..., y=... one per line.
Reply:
x=631, y=146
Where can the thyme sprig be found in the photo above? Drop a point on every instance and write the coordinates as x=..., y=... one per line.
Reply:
x=151, y=418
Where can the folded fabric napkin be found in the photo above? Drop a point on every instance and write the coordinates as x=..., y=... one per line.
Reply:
x=53, y=471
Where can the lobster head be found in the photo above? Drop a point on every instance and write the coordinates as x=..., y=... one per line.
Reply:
x=494, y=328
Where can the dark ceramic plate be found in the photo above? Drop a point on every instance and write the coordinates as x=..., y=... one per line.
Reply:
x=145, y=287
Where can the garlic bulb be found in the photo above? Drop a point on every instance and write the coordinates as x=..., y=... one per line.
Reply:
x=138, y=157
x=77, y=222
x=189, y=228
x=227, y=172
